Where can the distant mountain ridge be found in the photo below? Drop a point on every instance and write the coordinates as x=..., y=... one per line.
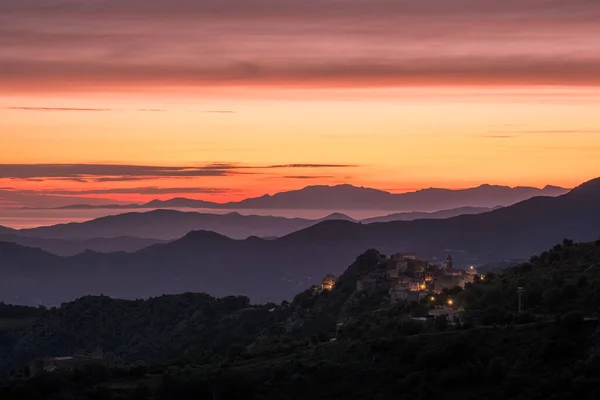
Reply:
x=64, y=247
x=167, y=224
x=133, y=231
x=6, y=231
x=348, y=197
x=411, y=216
x=276, y=269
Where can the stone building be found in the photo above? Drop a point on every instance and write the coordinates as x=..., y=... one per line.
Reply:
x=69, y=363
x=400, y=294
x=328, y=282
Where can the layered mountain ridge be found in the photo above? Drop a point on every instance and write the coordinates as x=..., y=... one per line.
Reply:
x=268, y=270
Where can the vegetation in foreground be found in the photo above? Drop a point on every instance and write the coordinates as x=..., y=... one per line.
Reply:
x=195, y=346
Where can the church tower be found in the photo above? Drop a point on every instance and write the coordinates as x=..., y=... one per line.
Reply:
x=449, y=261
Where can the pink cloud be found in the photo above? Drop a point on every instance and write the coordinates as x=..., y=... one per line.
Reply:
x=98, y=44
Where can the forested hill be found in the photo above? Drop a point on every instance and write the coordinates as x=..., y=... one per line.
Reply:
x=149, y=330
x=197, y=346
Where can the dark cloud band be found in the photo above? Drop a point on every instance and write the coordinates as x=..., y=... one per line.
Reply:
x=117, y=173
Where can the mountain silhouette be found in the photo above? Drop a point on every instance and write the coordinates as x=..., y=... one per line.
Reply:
x=133, y=231
x=71, y=247
x=101, y=235
x=6, y=231
x=13, y=255
x=509, y=232
x=172, y=224
x=348, y=197
x=410, y=216
x=277, y=269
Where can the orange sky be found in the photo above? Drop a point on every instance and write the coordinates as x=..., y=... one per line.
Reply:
x=221, y=99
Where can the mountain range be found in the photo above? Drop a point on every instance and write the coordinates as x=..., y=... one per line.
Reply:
x=349, y=197
x=411, y=216
x=276, y=269
x=172, y=224
x=64, y=247
x=133, y=231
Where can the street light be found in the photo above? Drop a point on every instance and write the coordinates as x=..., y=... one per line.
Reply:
x=520, y=291
x=450, y=302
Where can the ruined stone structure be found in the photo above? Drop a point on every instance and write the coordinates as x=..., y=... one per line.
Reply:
x=69, y=363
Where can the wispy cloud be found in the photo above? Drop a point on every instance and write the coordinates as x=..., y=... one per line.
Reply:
x=56, y=109
x=308, y=176
x=31, y=198
x=216, y=111
x=560, y=131
x=17, y=197
x=500, y=136
x=122, y=173
x=420, y=71
x=311, y=43
x=78, y=109
x=107, y=171
x=149, y=190
x=118, y=179
x=510, y=133
x=313, y=166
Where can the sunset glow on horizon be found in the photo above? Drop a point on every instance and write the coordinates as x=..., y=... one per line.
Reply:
x=112, y=101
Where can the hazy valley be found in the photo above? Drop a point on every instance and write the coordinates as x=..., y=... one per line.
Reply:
x=274, y=269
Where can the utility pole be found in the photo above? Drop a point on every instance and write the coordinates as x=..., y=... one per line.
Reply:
x=520, y=292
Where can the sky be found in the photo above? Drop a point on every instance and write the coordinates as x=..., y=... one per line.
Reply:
x=107, y=101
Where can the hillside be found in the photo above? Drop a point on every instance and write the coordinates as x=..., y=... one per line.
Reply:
x=151, y=330
x=267, y=270
x=526, y=363
x=169, y=326
x=196, y=345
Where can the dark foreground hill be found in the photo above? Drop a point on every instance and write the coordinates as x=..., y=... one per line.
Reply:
x=193, y=346
x=268, y=270
x=543, y=362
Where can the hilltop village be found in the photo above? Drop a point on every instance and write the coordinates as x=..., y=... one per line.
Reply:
x=408, y=279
